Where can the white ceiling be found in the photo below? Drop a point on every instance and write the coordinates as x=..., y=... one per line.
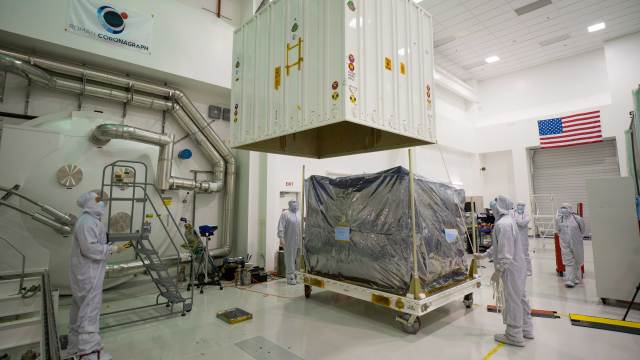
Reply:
x=468, y=31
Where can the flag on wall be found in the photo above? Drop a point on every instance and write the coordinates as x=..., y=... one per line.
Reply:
x=576, y=129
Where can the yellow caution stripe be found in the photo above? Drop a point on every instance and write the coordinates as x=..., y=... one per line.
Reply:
x=493, y=351
x=630, y=327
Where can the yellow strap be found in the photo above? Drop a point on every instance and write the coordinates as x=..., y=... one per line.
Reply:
x=593, y=319
x=493, y=351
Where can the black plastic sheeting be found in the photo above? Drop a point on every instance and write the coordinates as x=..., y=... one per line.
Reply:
x=370, y=216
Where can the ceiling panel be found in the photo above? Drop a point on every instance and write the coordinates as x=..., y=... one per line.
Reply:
x=468, y=31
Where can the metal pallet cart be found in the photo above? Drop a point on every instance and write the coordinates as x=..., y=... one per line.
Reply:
x=409, y=307
x=126, y=182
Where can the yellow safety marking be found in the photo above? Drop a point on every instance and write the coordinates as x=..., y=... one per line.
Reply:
x=387, y=63
x=402, y=69
x=314, y=282
x=380, y=300
x=493, y=351
x=593, y=319
x=277, y=77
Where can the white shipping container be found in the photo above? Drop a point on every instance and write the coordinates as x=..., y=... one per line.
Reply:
x=325, y=78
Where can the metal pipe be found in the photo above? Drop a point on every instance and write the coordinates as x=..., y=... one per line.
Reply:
x=165, y=163
x=80, y=71
x=181, y=105
x=62, y=229
x=102, y=134
x=136, y=267
x=62, y=217
x=225, y=152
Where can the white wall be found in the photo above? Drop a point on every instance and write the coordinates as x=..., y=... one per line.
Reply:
x=498, y=176
x=235, y=12
x=187, y=42
x=561, y=86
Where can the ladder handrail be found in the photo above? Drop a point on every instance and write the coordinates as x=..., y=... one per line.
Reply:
x=21, y=284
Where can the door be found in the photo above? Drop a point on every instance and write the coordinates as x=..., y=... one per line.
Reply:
x=563, y=172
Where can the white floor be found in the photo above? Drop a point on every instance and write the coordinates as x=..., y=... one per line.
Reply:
x=329, y=326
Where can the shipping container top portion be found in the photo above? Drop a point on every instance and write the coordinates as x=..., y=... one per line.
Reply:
x=325, y=78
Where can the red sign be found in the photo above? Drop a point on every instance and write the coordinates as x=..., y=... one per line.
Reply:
x=335, y=84
x=288, y=183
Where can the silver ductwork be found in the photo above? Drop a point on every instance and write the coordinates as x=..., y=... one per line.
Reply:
x=57, y=227
x=136, y=267
x=143, y=94
x=102, y=134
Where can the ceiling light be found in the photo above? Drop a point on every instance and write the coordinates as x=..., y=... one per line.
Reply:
x=596, y=27
x=491, y=59
x=417, y=1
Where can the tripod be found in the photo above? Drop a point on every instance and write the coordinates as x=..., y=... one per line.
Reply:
x=631, y=302
x=204, y=260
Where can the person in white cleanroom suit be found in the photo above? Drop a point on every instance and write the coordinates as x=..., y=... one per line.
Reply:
x=522, y=220
x=571, y=228
x=289, y=235
x=508, y=259
x=89, y=253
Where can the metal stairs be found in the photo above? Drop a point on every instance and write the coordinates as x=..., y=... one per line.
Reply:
x=157, y=270
x=129, y=195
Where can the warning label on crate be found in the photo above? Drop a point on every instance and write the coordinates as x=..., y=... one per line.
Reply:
x=277, y=77
x=343, y=233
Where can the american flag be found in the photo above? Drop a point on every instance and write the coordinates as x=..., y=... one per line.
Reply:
x=576, y=129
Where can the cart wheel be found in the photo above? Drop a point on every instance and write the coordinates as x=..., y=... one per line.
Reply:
x=468, y=301
x=307, y=291
x=604, y=301
x=187, y=307
x=409, y=328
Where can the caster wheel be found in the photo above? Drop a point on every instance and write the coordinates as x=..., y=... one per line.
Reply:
x=307, y=291
x=221, y=287
x=167, y=305
x=468, y=301
x=605, y=301
x=201, y=291
x=410, y=329
x=200, y=278
x=183, y=314
x=188, y=307
x=189, y=288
